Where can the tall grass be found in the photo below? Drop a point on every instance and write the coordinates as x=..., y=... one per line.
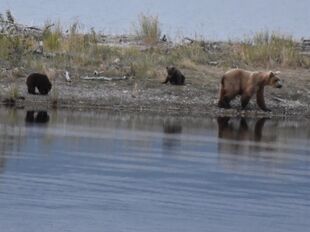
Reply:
x=82, y=52
x=270, y=49
x=193, y=52
x=13, y=48
x=13, y=91
x=148, y=29
x=75, y=41
x=4, y=47
x=52, y=37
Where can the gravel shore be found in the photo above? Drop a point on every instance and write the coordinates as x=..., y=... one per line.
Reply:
x=197, y=98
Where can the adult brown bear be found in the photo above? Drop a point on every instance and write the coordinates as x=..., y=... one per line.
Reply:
x=245, y=83
x=175, y=77
x=39, y=81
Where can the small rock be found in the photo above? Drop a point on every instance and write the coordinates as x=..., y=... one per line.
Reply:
x=67, y=77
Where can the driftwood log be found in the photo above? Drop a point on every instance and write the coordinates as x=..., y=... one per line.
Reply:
x=104, y=78
x=7, y=28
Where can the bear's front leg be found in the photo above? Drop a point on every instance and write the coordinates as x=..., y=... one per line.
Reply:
x=31, y=90
x=260, y=99
x=245, y=98
x=168, y=78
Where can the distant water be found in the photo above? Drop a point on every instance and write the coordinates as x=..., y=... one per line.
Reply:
x=90, y=171
x=211, y=19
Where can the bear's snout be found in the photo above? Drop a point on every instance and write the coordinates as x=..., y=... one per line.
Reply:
x=279, y=84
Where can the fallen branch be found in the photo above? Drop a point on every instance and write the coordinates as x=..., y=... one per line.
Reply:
x=279, y=99
x=12, y=28
x=190, y=41
x=49, y=26
x=214, y=63
x=104, y=78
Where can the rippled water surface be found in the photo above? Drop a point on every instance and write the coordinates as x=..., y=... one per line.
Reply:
x=90, y=171
x=212, y=19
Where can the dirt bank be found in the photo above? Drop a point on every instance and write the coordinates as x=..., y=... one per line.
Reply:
x=197, y=97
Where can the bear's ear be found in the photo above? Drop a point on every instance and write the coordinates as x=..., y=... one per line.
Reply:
x=270, y=74
x=170, y=68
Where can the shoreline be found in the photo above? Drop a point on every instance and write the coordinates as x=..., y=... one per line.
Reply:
x=195, y=98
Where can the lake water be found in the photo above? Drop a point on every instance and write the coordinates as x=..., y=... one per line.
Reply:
x=90, y=171
x=210, y=19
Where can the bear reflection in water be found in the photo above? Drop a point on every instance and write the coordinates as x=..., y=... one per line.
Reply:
x=241, y=139
x=40, y=117
x=228, y=130
x=171, y=127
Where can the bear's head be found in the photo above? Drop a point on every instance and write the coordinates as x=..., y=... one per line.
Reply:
x=170, y=70
x=274, y=80
x=45, y=89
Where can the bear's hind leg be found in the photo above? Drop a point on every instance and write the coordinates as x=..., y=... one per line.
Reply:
x=224, y=102
x=181, y=79
x=224, y=99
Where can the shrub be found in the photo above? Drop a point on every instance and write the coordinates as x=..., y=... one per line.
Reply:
x=148, y=29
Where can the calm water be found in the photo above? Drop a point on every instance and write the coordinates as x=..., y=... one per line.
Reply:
x=211, y=19
x=78, y=171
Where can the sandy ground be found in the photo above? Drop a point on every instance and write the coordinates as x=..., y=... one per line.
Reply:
x=197, y=98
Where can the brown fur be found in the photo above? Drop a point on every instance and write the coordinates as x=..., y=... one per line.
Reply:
x=39, y=81
x=245, y=83
x=175, y=77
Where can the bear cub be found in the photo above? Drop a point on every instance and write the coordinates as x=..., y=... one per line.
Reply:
x=175, y=77
x=39, y=81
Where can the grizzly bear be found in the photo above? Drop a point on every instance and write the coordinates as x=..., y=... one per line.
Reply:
x=175, y=77
x=39, y=81
x=245, y=83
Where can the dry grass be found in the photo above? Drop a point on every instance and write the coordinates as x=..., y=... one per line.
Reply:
x=13, y=91
x=5, y=47
x=269, y=50
x=14, y=48
x=188, y=64
x=81, y=52
x=148, y=29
